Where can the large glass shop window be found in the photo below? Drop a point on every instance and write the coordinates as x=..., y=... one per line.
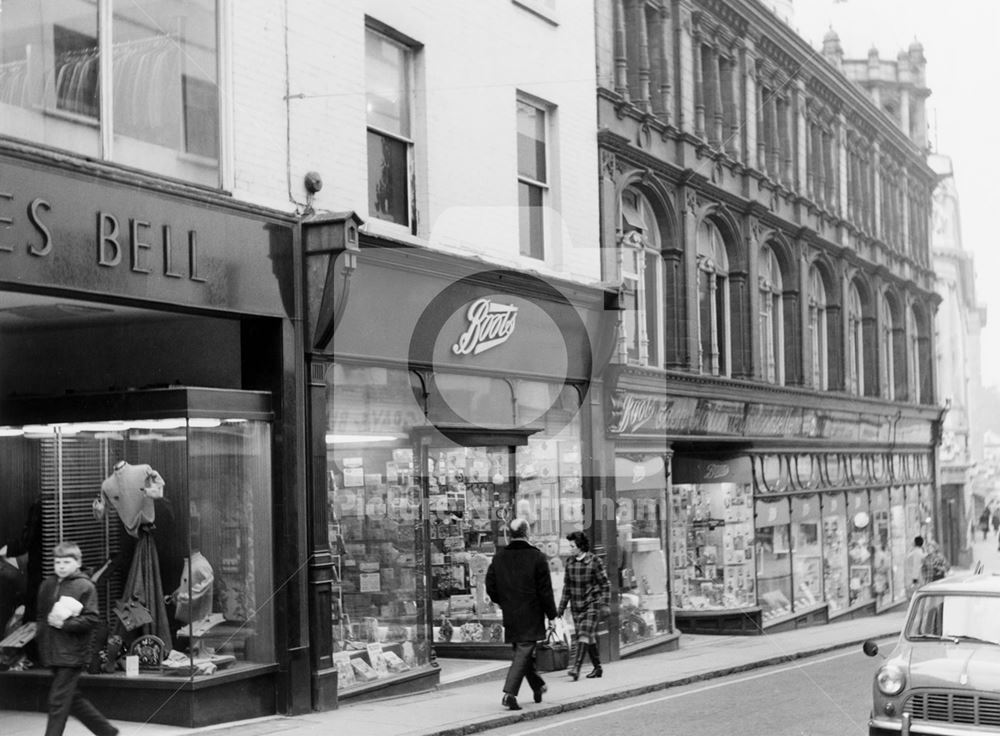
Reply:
x=883, y=561
x=807, y=552
x=416, y=514
x=473, y=494
x=715, y=520
x=836, y=583
x=774, y=559
x=640, y=484
x=173, y=517
x=375, y=522
x=859, y=525
x=899, y=541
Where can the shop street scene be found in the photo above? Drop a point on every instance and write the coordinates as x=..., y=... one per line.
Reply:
x=513, y=366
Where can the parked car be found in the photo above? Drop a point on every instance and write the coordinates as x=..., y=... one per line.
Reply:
x=943, y=676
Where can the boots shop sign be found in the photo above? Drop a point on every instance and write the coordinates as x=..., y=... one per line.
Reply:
x=72, y=231
x=490, y=325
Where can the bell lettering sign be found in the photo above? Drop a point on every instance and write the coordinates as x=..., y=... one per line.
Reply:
x=490, y=325
x=137, y=242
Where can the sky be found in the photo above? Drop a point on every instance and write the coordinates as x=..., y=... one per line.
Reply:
x=959, y=38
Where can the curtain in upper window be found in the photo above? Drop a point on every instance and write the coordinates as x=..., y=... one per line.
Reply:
x=642, y=275
x=161, y=113
x=713, y=301
x=771, y=318
x=818, y=330
x=388, y=71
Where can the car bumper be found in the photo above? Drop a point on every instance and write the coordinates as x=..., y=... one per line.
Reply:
x=905, y=727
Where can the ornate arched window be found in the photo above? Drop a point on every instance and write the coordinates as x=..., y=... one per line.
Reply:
x=920, y=355
x=771, y=320
x=713, y=302
x=818, y=345
x=855, y=342
x=893, y=351
x=642, y=276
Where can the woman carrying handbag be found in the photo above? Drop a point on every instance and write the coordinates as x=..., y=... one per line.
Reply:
x=586, y=591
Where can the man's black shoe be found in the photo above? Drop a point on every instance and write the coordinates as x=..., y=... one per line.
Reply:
x=539, y=692
x=510, y=703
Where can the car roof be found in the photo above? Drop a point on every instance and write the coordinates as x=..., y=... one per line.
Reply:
x=965, y=583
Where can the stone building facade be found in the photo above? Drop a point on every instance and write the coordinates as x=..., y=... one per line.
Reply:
x=770, y=225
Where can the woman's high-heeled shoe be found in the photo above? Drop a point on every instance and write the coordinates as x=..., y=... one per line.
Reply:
x=596, y=672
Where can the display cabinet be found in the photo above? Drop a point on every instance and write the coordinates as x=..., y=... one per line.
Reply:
x=169, y=494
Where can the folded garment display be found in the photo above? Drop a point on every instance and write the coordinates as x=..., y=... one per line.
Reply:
x=20, y=636
x=202, y=626
x=178, y=663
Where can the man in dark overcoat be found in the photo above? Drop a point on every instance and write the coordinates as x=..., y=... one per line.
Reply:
x=518, y=580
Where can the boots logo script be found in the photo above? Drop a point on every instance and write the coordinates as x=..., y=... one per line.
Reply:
x=489, y=325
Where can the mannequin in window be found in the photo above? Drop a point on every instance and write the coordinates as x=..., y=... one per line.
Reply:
x=194, y=594
x=130, y=489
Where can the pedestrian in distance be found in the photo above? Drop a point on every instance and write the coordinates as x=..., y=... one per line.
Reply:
x=995, y=522
x=586, y=591
x=518, y=581
x=984, y=523
x=67, y=612
x=935, y=565
x=913, y=566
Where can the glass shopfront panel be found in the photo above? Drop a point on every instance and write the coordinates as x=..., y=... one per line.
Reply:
x=882, y=559
x=375, y=523
x=714, y=533
x=173, y=517
x=774, y=558
x=416, y=514
x=859, y=527
x=807, y=552
x=836, y=581
x=900, y=541
x=641, y=487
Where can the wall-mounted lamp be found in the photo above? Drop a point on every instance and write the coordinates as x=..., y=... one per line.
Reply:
x=331, y=253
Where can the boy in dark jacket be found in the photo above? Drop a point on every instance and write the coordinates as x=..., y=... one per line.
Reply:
x=67, y=612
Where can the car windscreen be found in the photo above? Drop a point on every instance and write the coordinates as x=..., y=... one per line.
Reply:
x=955, y=617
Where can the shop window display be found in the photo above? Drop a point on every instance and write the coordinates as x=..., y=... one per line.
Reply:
x=807, y=552
x=897, y=526
x=882, y=552
x=859, y=525
x=715, y=520
x=774, y=560
x=473, y=493
x=642, y=565
x=375, y=524
x=173, y=518
x=836, y=583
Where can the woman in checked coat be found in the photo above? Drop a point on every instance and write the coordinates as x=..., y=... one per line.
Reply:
x=586, y=591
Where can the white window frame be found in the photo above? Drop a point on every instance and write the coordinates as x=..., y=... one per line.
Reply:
x=888, y=357
x=641, y=262
x=818, y=343
x=544, y=186
x=855, y=342
x=713, y=265
x=409, y=50
x=772, y=332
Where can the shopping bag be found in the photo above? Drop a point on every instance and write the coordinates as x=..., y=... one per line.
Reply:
x=552, y=654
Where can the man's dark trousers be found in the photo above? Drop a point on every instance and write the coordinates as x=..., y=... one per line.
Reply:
x=522, y=666
x=65, y=700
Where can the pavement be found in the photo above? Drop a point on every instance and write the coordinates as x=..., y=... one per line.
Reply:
x=467, y=700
